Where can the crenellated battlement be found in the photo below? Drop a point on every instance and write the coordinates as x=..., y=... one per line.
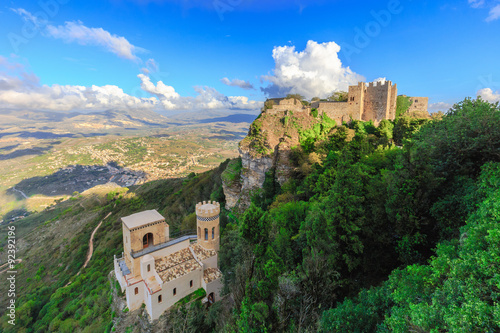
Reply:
x=207, y=209
x=373, y=101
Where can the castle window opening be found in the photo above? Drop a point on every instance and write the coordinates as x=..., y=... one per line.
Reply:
x=159, y=298
x=206, y=234
x=147, y=240
x=175, y=291
x=149, y=268
x=199, y=232
x=136, y=291
x=191, y=284
x=213, y=232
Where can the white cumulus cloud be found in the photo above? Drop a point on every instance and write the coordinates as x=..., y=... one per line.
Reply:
x=489, y=95
x=21, y=89
x=83, y=35
x=206, y=98
x=315, y=71
x=237, y=83
x=77, y=32
x=381, y=80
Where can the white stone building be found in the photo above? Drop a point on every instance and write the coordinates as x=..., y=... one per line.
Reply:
x=159, y=271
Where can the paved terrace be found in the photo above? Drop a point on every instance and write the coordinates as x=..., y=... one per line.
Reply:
x=176, y=265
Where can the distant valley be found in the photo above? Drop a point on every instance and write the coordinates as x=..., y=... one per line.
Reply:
x=49, y=156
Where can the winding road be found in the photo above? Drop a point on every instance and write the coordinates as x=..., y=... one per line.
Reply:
x=22, y=193
x=91, y=247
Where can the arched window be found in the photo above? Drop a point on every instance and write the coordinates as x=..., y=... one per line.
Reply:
x=211, y=298
x=213, y=232
x=147, y=240
x=206, y=234
x=175, y=291
x=191, y=284
x=199, y=232
x=136, y=290
x=159, y=298
x=149, y=268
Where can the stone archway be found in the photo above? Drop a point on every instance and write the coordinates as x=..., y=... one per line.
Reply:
x=147, y=240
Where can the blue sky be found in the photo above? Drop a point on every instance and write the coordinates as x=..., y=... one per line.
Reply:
x=195, y=55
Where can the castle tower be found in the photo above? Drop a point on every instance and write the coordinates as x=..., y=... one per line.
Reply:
x=142, y=232
x=207, y=224
x=356, y=101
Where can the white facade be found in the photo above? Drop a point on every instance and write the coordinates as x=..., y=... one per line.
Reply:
x=162, y=273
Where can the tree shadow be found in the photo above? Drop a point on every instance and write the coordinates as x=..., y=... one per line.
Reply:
x=229, y=135
x=27, y=151
x=75, y=178
x=234, y=118
x=50, y=135
x=9, y=147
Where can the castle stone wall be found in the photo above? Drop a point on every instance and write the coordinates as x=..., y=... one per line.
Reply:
x=393, y=102
x=379, y=101
x=419, y=104
x=355, y=100
x=338, y=111
x=375, y=101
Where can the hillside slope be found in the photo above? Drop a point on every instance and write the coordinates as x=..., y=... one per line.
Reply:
x=53, y=245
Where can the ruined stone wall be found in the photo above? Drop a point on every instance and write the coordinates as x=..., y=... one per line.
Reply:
x=287, y=104
x=419, y=104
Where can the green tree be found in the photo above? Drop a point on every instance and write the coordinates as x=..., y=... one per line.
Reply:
x=338, y=96
x=403, y=104
x=296, y=96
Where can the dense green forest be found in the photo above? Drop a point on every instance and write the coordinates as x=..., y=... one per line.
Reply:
x=381, y=229
x=394, y=229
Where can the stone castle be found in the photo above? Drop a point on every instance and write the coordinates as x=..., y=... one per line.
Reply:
x=374, y=101
x=158, y=271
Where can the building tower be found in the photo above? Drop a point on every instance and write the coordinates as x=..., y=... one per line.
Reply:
x=142, y=232
x=207, y=224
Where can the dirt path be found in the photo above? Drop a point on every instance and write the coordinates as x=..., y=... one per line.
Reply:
x=5, y=270
x=91, y=247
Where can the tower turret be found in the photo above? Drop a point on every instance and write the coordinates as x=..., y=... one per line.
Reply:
x=207, y=223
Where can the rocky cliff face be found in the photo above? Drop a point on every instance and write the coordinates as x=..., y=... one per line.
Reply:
x=267, y=145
